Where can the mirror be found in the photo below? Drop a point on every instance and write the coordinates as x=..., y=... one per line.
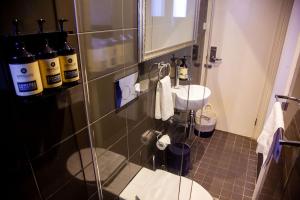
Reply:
x=165, y=26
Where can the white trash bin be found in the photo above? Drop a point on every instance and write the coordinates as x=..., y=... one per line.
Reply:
x=205, y=121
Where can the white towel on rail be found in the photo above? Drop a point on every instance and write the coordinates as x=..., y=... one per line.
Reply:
x=164, y=108
x=273, y=122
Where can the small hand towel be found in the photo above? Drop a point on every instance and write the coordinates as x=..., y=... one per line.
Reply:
x=164, y=108
x=272, y=124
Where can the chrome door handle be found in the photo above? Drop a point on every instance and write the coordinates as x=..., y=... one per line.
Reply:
x=214, y=60
x=209, y=66
x=213, y=55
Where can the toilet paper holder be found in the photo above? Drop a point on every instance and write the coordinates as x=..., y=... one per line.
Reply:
x=150, y=135
x=158, y=134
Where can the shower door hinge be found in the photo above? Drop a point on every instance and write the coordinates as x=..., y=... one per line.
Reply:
x=255, y=122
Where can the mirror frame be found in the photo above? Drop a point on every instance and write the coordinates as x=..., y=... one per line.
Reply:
x=142, y=55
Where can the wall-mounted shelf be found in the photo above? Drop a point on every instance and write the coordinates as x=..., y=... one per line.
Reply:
x=32, y=43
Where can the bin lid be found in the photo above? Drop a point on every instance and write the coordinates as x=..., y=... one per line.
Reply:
x=179, y=148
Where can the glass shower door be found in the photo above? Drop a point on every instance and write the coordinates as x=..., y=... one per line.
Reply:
x=201, y=119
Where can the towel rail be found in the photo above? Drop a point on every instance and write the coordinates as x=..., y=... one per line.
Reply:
x=290, y=143
x=284, y=107
x=160, y=66
x=287, y=98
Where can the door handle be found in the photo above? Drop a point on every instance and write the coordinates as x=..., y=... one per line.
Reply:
x=208, y=66
x=213, y=59
x=213, y=55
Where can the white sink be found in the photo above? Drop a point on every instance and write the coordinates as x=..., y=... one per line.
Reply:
x=194, y=100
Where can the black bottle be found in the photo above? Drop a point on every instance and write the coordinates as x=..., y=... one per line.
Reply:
x=183, y=69
x=68, y=59
x=48, y=62
x=24, y=68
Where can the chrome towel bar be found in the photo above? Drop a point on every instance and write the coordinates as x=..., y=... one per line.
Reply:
x=284, y=106
x=290, y=143
x=161, y=66
x=287, y=98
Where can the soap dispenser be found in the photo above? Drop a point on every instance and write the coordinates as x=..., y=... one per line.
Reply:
x=24, y=68
x=48, y=62
x=68, y=59
x=183, y=69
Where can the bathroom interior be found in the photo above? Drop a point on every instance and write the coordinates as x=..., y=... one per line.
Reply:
x=150, y=100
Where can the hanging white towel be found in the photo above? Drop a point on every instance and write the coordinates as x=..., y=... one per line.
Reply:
x=164, y=108
x=272, y=124
x=268, y=145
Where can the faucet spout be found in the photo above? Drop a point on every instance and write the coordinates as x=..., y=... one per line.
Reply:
x=174, y=60
x=176, y=76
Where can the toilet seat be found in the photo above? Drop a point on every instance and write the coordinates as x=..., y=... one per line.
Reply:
x=163, y=185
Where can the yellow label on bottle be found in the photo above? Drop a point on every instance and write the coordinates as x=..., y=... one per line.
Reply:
x=183, y=72
x=69, y=68
x=26, y=78
x=50, y=72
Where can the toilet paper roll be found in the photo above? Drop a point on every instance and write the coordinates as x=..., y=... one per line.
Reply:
x=137, y=87
x=163, y=142
x=147, y=137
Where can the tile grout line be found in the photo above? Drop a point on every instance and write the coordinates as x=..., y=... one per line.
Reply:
x=110, y=146
x=60, y=142
x=106, y=31
x=223, y=184
x=100, y=118
x=240, y=154
x=107, y=74
x=206, y=149
x=232, y=149
x=244, y=186
x=33, y=174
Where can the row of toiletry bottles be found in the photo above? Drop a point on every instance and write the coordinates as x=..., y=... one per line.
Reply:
x=48, y=69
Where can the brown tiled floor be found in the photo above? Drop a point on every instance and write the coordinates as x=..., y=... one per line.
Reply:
x=225, y=165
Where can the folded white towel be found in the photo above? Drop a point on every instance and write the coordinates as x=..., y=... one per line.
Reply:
x=273, y=122
x=164, y=108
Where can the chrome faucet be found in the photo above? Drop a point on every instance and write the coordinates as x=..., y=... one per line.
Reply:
x=174, y=60
x=176, y=76
x=191, y=123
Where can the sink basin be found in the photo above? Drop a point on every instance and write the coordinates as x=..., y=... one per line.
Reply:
x=194, y=100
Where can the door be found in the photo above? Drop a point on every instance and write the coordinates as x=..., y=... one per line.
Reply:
x=243, y=32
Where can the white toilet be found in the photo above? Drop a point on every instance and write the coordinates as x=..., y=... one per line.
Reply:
x=163, y=185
